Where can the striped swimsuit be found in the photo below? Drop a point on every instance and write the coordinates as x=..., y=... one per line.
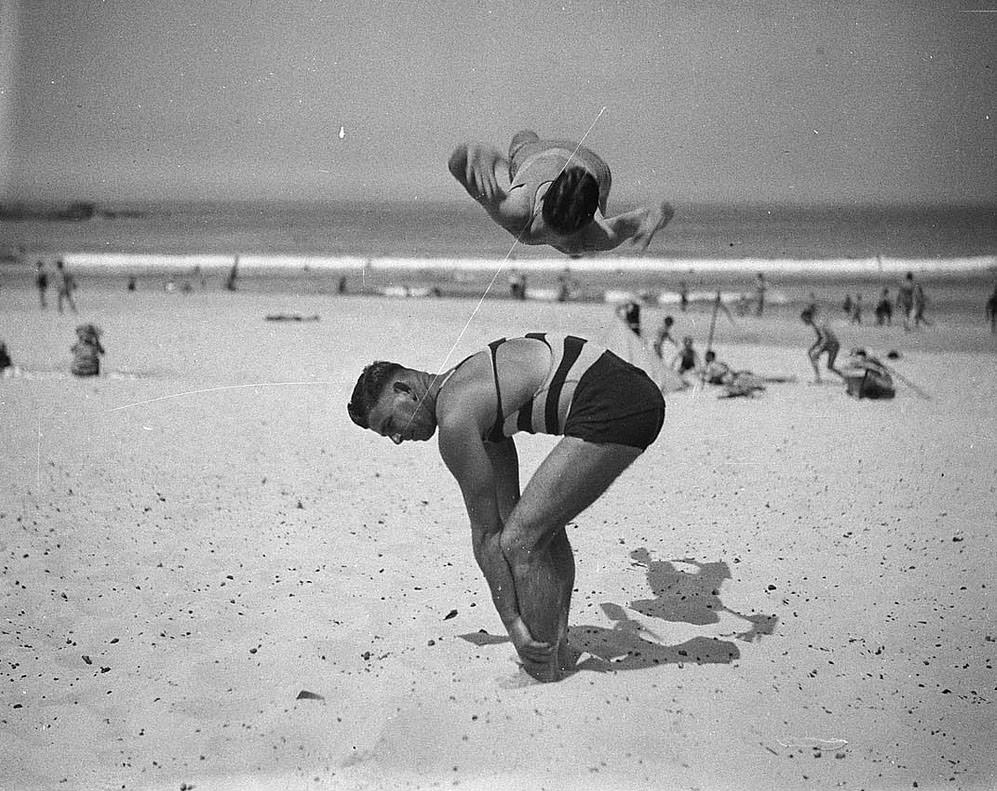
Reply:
x=588, y=393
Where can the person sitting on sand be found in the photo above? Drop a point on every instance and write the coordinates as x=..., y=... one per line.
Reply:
x=867, y=377
x=5, y=360
x=607, y=413
x=87, y=351
x=826, y=343
x=686, y=359
x=714, y=371
x=629, y=313
x=552, y=192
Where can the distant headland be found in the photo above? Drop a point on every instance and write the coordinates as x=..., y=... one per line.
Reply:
x=78, y=211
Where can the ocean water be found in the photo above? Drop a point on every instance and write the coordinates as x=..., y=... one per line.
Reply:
x=463, y=231
x=454, y=249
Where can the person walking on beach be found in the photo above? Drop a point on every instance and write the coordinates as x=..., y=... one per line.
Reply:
x=919, y=301
x=884, y=309
x=607, y=413
x=41, y=283
x=65, y=285
x=664, y=334
x=826, y=343
x=857, y=310
x=905, y=299
x=760, y=288
x=991, y=311
x=683, y=297
x=552, y=192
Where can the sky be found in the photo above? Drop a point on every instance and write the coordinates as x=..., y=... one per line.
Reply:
x=881, y=101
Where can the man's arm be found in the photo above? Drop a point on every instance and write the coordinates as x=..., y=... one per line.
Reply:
x=505, y=467
x=474, y=165
x=490, y=492
x=606, y=233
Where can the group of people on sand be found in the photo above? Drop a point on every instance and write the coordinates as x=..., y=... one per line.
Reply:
x=65, y=285
x=910, y=304
x=87, y=349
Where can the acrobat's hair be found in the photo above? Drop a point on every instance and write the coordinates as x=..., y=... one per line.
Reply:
x=571, y=201
x=368, y=390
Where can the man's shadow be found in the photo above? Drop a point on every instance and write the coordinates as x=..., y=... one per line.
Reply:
x=680, y=596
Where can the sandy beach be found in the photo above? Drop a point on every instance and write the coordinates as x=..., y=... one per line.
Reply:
x=213, y=580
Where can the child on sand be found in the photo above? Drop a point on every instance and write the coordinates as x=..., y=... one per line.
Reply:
x=87, y=351
x=686, y=359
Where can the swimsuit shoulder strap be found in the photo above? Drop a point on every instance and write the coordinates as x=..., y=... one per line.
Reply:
x=496, y=434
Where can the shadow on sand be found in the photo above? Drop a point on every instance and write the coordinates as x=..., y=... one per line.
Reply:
x=680, y=596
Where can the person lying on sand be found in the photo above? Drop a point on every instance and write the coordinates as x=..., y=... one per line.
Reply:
x=552, y=192
x=607, y=413
x=735, y=383
x=826, y=343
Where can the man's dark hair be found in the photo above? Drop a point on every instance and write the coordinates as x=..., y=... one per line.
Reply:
x=571, y=201
x=368, y=390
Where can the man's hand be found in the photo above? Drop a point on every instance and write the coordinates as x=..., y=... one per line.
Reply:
x=479, y=172
x=528, y=648
x=653, y=221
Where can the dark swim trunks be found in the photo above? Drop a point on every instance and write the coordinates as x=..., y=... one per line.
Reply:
x=616, y=402
x=589, y=393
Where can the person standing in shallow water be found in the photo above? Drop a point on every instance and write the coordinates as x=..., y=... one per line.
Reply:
x=552, y=192
x=606, y=411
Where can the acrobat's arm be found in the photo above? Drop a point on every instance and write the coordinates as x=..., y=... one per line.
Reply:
x=639, y=226
x=473, y=165
x=482, y=170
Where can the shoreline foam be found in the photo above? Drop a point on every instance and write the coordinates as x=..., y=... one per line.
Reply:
x=871, y=265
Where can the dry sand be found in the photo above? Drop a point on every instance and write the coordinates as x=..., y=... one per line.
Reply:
x=789, y=592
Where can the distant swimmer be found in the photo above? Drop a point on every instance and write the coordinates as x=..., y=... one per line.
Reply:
x=552, y=192
x=607, y=413
x=826, y=343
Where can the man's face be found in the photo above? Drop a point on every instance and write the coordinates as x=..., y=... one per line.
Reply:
x=399, y=416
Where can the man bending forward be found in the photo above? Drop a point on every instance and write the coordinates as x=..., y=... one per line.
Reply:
x=607, y=411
